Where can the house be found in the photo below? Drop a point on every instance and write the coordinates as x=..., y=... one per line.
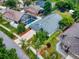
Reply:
x=12, y=15
x=33, y=9
x=48, y=24
x=40, y=3
x=69, y=42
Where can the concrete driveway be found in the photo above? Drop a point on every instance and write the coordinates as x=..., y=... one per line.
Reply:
x=10, y=44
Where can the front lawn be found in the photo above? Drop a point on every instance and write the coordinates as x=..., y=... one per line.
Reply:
x=7, y=33
x=7, y=24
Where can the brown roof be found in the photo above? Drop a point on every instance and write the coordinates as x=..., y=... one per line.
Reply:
x=1, y=1
x=32, y=9
x=13, y=15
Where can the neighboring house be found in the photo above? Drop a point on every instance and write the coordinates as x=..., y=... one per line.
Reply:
x=1, y=1
x=33, y=9
x=12, y=15
x=48, y=24
x=69, y=42
x=40, y=3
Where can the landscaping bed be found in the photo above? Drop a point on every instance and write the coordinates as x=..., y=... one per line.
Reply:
x=52, y=49
x=7, y=24
x=31, y=54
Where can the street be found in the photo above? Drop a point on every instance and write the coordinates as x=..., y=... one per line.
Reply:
x=10, y=44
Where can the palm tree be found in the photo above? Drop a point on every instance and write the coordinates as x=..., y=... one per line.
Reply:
x=24, y=44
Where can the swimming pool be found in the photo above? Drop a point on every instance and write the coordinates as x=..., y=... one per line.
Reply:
x=29, y=21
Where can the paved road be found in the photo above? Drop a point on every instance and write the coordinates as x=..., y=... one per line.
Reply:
x=10, y=44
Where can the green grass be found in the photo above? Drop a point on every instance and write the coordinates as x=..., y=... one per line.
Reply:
x=7, y=33
x=54, y=0
x=52, y=50
x=7, y=24
x=31, y=54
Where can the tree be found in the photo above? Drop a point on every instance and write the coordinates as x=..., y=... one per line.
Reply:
x=67, y=21
x=47, y=8
x=21, y=28
x=12, y=54
x=27, y=2
x=11, y=3
x=76, y=15
x=7, y=53
x=1, y=16
x=41, y=36
x=24, y=44
x=64, y=6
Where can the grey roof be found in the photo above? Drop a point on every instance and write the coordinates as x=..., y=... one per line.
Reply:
x=49, y=23
x=72, y=39
x=73, y=43
x=41, y=3
x=73, y=30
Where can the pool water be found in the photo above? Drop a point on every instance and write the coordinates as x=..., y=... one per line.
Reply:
x=29, y=21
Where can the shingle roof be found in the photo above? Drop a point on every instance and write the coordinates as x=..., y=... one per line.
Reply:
x=49, y=23
x=13, y=15
x=72, y=39
x=73, y=43
x=41, y=3
x=1, y=1
x=33, y=9
x=73, y=30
